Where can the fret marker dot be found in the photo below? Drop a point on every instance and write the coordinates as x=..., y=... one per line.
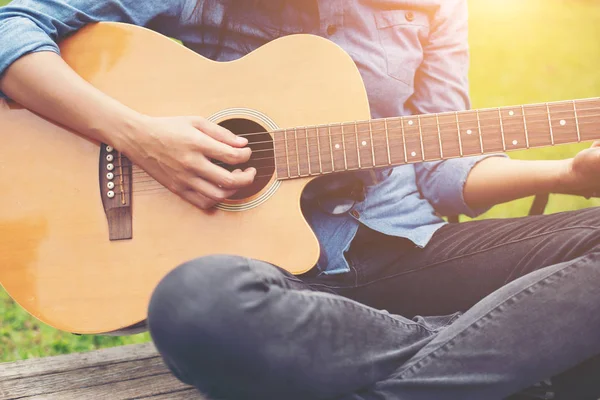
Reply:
x=364, y=143
x=563, y=122
x=337, y=146
x=515, y=142
x=410, y=122
x=511, y=113
x=469, y=132
x=414, y=154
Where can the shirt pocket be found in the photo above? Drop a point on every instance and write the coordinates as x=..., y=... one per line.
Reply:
x=402, y=33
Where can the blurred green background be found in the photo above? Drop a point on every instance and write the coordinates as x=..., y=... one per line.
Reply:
x=522, y=51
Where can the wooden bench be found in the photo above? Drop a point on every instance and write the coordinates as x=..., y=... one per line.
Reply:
x=127, y=372
x=120, y=373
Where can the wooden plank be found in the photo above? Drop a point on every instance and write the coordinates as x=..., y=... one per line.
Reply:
x=121, y=373
x=49, y=365
x=188, y=394
x=150, y=386
x=85, y=377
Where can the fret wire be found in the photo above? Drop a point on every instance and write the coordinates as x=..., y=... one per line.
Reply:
x=459, y=138
x=344, y=147
x=372, y=145
x=357, y=145
x=307, y=151
x=550, y=123
x=437, y=120
x=297, y=150
x=287, y=156
x=480, y=132
x=576, y=121
x=403, y=139
x=319, y=151
x=502, y=129
x=525, y=126
x=421, y=136
x=387, y=141
x=331, y=148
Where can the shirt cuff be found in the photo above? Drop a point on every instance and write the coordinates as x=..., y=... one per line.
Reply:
x=21, y=36
x=449, y=178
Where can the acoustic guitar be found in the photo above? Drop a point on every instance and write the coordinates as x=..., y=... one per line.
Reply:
x=85, y=236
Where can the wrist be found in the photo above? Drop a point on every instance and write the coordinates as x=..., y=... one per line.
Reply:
x=562, y=179
x=122, y=131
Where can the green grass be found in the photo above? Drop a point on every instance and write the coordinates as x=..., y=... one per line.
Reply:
x=522, y=52
x=535, y=51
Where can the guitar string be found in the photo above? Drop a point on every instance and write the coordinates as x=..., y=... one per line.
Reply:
x=403, y=130
x=452, y=114
x=159, y=186
x=399, y=125
x=312, y=159
x=410, y=141
x=142, y=174
x=529, y=124
x=415, y=128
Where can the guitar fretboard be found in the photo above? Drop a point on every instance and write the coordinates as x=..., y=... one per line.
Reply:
x=324, y=149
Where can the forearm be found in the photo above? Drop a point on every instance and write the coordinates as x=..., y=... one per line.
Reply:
x=45, y=84
x=497, y=180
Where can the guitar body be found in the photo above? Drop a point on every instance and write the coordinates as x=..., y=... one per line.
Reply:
x=56, y=258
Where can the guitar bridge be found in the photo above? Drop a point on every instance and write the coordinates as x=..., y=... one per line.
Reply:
x=115, y=179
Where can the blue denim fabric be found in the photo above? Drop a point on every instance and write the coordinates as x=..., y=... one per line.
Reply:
x=487, y=309
x=412, y=55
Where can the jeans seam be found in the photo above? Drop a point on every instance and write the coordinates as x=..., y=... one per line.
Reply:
x=343, y=301
x=456, y=258
x=477, y=325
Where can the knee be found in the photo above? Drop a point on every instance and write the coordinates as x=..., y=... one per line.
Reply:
x=205, y=320
x=203, y=294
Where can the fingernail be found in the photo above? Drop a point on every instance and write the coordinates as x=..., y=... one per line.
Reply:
x=241, y=140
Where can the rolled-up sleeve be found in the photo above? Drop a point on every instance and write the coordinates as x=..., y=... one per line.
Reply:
x=28, y=26
x=21, y=36
x=441, y=84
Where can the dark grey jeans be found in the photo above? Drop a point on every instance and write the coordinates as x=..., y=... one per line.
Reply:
x=487, y=309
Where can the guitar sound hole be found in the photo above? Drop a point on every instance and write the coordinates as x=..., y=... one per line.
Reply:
x=263, y=155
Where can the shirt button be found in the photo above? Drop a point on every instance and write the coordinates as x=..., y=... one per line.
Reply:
x=331, y=29
x=410, y=16
x=355, y=214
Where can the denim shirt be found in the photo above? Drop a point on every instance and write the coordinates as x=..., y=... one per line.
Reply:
x=412, y=55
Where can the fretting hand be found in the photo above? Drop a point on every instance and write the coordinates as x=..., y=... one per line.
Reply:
x=581, y=173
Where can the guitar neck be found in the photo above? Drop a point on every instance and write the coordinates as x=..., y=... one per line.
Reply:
x=377, y=143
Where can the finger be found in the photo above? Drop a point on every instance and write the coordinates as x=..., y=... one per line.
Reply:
x=210, y=190
x=226, y=179
x=218, y=133
x=197, y=199
x=220, y=151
